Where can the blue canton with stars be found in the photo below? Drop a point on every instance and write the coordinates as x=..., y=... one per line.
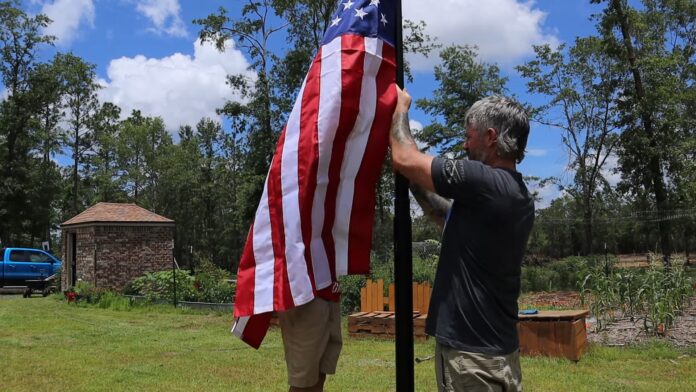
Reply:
x=369, y=18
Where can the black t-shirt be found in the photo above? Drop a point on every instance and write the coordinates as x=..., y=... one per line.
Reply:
x=474, y=300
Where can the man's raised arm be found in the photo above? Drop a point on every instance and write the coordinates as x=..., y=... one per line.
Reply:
x=413, y=164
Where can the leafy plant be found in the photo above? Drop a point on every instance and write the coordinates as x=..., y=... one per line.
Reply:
x=656, y=295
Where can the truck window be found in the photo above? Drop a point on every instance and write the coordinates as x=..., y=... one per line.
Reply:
x=18, y=256
x=39, y=257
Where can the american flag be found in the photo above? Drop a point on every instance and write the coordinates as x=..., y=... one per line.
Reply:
x=314, y=220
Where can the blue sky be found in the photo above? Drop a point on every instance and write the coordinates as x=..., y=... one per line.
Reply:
x=147, y=56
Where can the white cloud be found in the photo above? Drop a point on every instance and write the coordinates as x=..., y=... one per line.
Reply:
x=610, y=172
x=67, y=16
x=165, y=16
x=545, y=193
x=180, y=88
x=504, y=30
x=416, y=128
x=536, y=152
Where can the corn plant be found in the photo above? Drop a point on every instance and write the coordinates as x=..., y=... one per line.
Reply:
x=600, y=292
x=628, y=286
x=655, y=295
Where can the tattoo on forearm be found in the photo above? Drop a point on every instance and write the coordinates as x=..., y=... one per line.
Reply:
x=401, y=129
x=434, y=206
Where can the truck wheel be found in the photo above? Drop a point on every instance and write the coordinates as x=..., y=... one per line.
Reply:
x=46, y=292
x=27, y=293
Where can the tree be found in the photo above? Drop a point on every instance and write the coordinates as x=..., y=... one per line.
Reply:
x=655, y=47
x=580, y=85
x=102, y=164
x=45, y=177
x=141, y=144
x=20, y=39
x=80, y=104
x=463, y=80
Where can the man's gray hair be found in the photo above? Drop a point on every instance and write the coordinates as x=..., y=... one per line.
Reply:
x=508, y=118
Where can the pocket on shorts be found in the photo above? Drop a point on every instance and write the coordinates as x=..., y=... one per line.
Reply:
x=476, y=362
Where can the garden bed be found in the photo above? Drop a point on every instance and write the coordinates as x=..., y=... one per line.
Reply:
x=622, y=331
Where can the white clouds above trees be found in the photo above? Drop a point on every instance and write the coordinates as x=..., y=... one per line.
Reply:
x=504, y=30
x=180, y=88
x=165, y=16
x=67, y=17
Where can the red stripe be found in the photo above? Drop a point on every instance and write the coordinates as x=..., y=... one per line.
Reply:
x=282, y=297
x=256, y=328
x=244, y=295
x=352, y=63
x=308, y=156
x=362, y=217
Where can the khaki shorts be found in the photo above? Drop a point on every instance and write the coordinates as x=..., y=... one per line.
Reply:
x=464, y=371
x=312, y=341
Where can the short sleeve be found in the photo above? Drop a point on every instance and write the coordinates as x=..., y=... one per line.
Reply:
x=460, y=179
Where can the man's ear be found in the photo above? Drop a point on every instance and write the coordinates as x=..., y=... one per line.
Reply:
x=491, y=136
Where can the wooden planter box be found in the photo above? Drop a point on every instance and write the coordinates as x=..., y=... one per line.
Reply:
x=553, y=334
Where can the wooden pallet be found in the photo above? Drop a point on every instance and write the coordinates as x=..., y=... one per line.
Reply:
x=382, y=324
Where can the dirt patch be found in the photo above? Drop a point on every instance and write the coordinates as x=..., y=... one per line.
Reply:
x=557, y=300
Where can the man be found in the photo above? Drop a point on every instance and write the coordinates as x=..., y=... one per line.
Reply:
x=473, y=308
x=312, y=340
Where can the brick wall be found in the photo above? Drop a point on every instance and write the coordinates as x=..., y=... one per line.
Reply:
x=84, y=255
x=111, y=256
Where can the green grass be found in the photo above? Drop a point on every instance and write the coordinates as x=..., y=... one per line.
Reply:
x=46, y=344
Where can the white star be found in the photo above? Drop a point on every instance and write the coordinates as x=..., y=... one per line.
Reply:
x=347, y=5
x=374, y=2
x=335, y=22
x=384, y=19
x=360, y=13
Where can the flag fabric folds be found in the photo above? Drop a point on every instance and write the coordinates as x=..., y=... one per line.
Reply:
x=314, y=220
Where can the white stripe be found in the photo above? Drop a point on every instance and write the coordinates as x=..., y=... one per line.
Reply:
x=239, y=326
x=355, y=150
x=329, y=116
x=263, y=254
x=296, y=264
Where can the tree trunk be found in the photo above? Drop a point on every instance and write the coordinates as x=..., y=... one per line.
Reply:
x=655, y=171
x=588, y=227
x=76, y=159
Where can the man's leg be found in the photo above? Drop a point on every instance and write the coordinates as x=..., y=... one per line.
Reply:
x=311, y=347
x=465, y=371
x=318, y=387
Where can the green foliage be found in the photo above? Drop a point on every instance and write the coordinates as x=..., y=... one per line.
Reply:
x=656, y=295
x=463, y=80
x=565, y=274
x=158, y=286
x=210, y=284
x=350, y=292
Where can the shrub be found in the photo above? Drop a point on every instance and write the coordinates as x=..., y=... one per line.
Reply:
x=86, y=292
x=350, y=296
x=158, y=286
x=210, y=284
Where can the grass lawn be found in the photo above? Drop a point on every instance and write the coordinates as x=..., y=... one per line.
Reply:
x=46, y=344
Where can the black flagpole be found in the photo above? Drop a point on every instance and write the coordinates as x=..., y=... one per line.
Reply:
x=403, y=268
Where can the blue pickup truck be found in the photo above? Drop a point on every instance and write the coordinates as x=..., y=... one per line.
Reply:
x=26, y=267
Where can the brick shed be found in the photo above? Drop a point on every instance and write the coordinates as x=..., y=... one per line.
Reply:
x=109, y=244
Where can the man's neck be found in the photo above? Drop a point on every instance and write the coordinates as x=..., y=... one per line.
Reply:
x=497, y=162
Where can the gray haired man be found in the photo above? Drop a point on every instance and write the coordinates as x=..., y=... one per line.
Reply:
x=486, y=214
